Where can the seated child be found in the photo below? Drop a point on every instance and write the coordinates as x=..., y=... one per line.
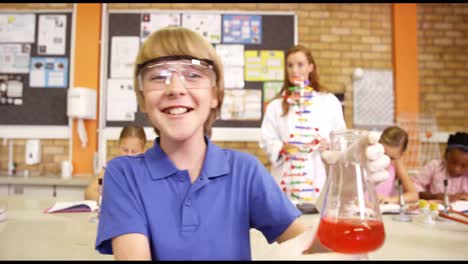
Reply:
x=454, y=166
x=395, y=141
x=131, y=142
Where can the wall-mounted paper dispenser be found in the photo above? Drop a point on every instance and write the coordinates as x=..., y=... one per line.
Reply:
x=82, y=104
x=33, y=151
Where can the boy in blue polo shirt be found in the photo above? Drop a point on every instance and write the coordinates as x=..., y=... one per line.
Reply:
x=186, y=198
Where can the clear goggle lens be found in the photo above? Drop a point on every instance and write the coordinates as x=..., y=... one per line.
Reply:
x=194, y=74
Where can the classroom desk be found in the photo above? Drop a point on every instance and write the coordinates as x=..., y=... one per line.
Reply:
x=403, y=241
x=29, y=234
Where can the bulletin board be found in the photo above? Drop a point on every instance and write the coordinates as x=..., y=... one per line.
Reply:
x=277, y=33
x=41, y=64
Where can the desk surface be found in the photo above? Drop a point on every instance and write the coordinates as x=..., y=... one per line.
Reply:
x=403, y=241
x=29, y=234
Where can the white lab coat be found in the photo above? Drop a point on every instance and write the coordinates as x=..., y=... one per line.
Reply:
x=326, y=114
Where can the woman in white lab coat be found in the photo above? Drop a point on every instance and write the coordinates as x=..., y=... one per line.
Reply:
x=296, y=127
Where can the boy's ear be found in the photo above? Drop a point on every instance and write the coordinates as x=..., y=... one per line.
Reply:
x=142, y=108
x=214, y=102
x=141, y=103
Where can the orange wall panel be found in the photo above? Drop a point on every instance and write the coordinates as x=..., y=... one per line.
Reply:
x=405, y=58
x=86, y=74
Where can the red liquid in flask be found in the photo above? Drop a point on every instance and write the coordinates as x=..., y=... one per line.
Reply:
x=351, y=235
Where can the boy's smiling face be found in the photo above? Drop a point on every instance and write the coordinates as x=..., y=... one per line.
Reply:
x=178, y=112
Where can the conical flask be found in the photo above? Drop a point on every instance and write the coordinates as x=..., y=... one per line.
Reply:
x=350, y=219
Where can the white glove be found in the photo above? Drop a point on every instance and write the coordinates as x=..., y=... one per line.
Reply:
x=366, y=150
x=369, y=151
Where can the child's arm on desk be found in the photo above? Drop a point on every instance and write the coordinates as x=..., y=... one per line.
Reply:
x=440, y=196
x=410, y=194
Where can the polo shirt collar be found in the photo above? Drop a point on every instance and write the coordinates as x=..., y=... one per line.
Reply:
x=160, y=166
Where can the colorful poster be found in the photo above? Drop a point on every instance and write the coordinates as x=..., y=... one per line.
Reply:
x=209, y=26
x=264, y=65
x=48, y=72
x=243, y=29
x=253, y=66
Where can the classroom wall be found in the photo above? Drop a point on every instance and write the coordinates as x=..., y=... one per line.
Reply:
x=443, y=67
x=342, y=37
x=53, y=151
x=345, y=36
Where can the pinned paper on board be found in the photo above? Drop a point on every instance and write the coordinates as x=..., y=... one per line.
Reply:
x=270, y=90
x=123, y=53
x=122, y=102
x=232, y=56
x=51, y=35
x=11, y=89
x=207, y=25
x=242, y=104
x=14, y=58
x=48, y=72
x=17, y=28
x=264, y=65
x=153, y=22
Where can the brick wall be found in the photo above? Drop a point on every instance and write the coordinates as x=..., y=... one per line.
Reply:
x=443, y=67
x=53, y=152
x=342, y=37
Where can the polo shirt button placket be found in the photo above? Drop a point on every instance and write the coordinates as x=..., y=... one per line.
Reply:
x=188, y=202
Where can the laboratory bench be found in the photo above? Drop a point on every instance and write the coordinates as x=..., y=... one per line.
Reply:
x=30, y=234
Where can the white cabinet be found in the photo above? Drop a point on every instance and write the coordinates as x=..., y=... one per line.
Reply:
x=39, y=187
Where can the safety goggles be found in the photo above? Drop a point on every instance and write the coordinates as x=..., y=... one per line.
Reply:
x=194, y=73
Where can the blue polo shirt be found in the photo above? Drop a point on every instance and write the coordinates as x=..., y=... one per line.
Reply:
x=208, y=219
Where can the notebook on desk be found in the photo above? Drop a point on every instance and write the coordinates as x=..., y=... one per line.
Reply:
x=460, y=206
x=389, y=208
x=72, y=207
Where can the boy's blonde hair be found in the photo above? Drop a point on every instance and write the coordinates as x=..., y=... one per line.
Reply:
x=171, y=41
